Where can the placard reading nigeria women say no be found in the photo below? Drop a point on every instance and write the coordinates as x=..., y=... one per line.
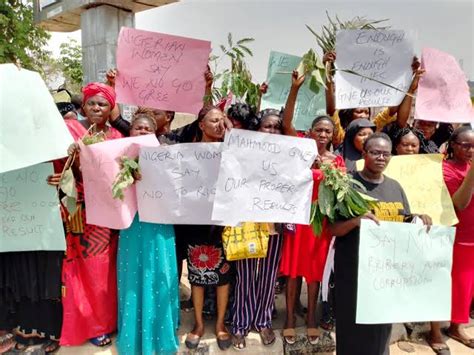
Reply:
x=160, y=70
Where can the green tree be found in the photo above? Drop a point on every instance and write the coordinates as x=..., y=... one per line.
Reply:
x=20, y=40
x=70, y=60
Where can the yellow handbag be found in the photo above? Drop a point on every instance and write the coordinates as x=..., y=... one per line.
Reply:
x=250, y=240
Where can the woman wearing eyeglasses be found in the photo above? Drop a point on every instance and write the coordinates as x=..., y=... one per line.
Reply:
x=392, y=205
x=458, y=173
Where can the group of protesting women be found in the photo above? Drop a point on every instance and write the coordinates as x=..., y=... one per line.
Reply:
x=127, y=281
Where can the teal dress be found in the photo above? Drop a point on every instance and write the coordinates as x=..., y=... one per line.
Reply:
x=148, y=290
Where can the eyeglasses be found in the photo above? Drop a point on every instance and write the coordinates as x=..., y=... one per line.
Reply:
x=378, y=153
x=464, y=145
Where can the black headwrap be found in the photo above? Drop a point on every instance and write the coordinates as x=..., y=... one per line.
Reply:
x=349, y=151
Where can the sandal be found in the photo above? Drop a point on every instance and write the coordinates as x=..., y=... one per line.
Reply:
x=440, y=348
x=467, y=342
x=313, y=335
x=101, y=341
x=53, y=346
x=224, y=340
x=238, y=342
x=192, y=341
x=268, y=336
x=289, y=335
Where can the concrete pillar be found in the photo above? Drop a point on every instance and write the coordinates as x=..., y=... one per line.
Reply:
x=100, y=27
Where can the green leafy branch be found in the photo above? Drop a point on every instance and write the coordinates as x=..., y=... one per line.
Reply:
x=337, y=198
x=312, y=65
x=125, y=177
x=238, y=78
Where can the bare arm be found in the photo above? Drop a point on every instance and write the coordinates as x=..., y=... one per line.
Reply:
x=110, y=81
x=404, y=108
x=287, y=125
x=463, y=196
x=208, y=91
x=328, y=59
x=262, y=91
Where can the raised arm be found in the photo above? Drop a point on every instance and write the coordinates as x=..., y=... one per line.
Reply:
x=328, y=59
x=262, y=90
x=404, y=108
x=463, y=195
x=287, y=125
x=207, y=99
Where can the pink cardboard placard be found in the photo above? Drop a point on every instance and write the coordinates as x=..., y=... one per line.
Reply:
x=443, y=94
x=161, y=71
x=100, y=165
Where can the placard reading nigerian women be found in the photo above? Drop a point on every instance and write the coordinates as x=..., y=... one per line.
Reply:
x=264, y=178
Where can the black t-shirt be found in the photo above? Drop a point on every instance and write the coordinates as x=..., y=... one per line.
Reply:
x=392, y=206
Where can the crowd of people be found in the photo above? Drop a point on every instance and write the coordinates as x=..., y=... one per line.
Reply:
x=127, y=281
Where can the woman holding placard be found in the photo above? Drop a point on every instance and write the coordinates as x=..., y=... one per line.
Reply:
x=207, y=265
x=89, y=270
x=392, y=205
x=304, y=254
x=254, y=291
x=148, y=300
x=459, y=177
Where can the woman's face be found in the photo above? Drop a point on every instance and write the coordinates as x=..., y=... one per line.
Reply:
x=360, y=112
x=463, y=147
x=212, y=125
x=162, y=119
x=409, y=144
x=360, y=138
x=141, y=126
x=322, y=133
x=236, y=123
x=270, y=124
x=427, y=127
x=97, y=110
x=377, y=155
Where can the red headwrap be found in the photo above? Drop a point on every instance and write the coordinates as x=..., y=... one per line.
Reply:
x=93, y=89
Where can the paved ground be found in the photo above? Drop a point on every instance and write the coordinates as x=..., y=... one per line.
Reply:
x=254, y=346
x=325, y=347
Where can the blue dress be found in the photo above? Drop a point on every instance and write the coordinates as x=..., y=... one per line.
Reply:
x=148, y=290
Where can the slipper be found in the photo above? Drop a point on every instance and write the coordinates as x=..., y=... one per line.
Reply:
x=313, y=335
x=439, y=348
x=289, y=335
x=192, y=341
x=268, y=336
x=101, y=341
x=238, y=342
x=53, y=344
x=467, y=342
x=224, y=340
